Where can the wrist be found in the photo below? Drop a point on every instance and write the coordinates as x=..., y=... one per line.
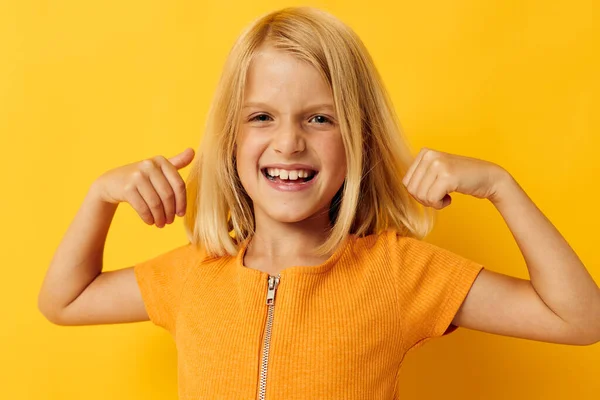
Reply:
x=504, y=182
x=96, y=194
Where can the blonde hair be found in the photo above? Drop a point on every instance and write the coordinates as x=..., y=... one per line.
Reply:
x=220, y=213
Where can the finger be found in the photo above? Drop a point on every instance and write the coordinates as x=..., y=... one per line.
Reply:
x=164, y=189
x=427, y=180
x=152, y=199
x=182, y=159
x=413, y=166
x=135, y=199
x=177, y=185
x=418, y=174
x=438, y=194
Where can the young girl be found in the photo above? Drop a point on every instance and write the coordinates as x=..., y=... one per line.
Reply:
x=305, y=276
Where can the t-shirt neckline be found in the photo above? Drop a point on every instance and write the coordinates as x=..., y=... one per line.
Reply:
x=296, y=269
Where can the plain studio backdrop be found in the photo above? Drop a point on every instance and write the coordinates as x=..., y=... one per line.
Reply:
x=88, y=86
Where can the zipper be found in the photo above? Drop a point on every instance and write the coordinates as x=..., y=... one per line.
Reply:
x=273, y=282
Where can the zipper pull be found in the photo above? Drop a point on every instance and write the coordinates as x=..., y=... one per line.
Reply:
x=273, y=282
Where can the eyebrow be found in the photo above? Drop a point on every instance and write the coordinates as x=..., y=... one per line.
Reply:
x=311, y=107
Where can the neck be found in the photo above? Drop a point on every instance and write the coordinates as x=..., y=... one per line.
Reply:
x=275, y=239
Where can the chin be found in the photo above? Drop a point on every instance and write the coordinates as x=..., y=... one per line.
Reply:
x=287, y=215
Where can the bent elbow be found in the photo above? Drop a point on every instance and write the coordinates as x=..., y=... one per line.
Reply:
x=592, y=340
x=54, y=318
x=51, y=314
x=586, y=337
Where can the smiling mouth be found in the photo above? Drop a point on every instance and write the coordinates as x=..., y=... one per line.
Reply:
x=276, y=178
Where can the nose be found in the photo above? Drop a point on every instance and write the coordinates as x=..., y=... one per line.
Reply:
x=288, y=138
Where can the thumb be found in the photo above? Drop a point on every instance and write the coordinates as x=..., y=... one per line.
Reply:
x=182, y=159
x=446, y=200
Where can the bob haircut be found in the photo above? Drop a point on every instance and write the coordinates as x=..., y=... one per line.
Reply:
x=220, y=215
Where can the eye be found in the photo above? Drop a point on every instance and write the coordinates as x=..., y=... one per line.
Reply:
x=260, y=118
x=321, y=119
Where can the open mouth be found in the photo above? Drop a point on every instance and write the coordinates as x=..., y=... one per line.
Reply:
x=289, y=177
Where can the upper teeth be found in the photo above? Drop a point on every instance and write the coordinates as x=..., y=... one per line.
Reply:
x=291, y=174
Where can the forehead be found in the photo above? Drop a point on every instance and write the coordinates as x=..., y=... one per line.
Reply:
x=275, y=75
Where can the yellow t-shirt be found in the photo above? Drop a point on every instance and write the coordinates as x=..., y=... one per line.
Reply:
x=340, y=330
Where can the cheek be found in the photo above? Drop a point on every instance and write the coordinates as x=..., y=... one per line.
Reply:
x=337, y=156
x=249, y=147
x=247, y=155
x=243, y=154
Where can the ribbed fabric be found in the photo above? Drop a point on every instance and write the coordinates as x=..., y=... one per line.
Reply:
x=340, y=329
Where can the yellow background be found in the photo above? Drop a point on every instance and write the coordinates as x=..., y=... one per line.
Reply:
x=88, y=86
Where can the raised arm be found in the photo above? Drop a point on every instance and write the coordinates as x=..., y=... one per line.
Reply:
x=560, y=303
x=75, y=291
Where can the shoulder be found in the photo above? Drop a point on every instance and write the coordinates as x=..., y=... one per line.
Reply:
x=183, y=256
x=391, y=241
x=406, y=253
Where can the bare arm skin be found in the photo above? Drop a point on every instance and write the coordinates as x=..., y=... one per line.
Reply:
x=75, y=291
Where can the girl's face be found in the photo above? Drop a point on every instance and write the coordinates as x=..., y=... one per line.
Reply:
x=290, y=154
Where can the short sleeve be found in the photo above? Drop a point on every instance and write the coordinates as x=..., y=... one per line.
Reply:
x=161, y=280
x=432, y=285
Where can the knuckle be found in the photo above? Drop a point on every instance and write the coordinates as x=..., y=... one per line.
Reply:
x=147, y=164
x=430, y=154
x=154, y=203
x=436, y=163
x=179, y=185
x=137, y=176
x=129, y=189
x=169, y=195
